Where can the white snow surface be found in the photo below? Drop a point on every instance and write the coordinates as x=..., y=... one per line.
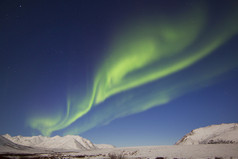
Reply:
x=214, y=134
x=202, y=151
x=192, y=145
x=71, y=142
x=7, y=144
x=104, y=146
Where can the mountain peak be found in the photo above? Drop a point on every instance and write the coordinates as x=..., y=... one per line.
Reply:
x=7, y=135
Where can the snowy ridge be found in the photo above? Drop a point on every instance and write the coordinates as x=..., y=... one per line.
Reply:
x=56, y=142
x=7, y=144
x=104, y=146
x=214, y=134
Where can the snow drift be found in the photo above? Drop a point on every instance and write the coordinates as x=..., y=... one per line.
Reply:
x=214, y=134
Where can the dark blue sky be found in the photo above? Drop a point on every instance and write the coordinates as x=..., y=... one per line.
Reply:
x=50, y=50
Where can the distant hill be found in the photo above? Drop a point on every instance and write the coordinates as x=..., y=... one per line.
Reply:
x=69, y=142
x=214, y=134
x=104, y=146
x=5, y=143
x=7, y=146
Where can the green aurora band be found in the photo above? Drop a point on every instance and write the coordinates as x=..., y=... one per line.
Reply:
x=142, y=70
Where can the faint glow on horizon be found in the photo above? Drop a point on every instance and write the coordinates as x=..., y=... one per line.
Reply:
x=139, y=56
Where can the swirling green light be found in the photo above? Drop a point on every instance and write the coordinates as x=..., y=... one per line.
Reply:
x=139, y=56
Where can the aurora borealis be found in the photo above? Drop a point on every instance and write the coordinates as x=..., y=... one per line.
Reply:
x=149, y=59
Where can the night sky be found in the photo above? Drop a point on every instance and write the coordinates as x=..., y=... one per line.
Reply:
x=126, y=73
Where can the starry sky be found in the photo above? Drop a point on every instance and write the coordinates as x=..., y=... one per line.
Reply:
x=126, y=73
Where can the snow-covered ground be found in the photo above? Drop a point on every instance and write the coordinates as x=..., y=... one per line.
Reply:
x=216, y=141
x=214, y=134
x=225, y=151
x=174, y=151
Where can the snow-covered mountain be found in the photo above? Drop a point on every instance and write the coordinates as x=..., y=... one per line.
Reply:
x=57, y=142
x=7, y=144
x=214, y=134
